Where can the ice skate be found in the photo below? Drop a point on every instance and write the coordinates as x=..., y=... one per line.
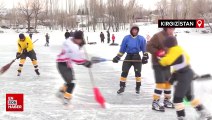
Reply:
x=121, y=90
x=157, y=107
x=137, y=90
x=168, y=104
x=37, y=72
x=19, y=74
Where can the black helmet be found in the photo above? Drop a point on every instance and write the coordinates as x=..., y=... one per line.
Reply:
x=170, y=41
x=78, y=35
x=134, y=27
x=21, y=36
x=67, y=35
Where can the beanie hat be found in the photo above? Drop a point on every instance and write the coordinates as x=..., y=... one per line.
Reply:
x=170, y=41
x=21, y=36
x=78, y=35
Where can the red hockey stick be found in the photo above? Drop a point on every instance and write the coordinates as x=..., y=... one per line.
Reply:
x=98, y=96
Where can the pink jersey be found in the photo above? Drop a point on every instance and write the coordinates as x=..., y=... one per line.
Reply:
x=71, y=53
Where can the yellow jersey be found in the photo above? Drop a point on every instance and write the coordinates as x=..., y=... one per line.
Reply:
x=26, y=44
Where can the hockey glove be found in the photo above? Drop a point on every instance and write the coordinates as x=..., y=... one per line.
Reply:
x=87, y=64
x=145, y=58
x=24, y=51
x=160, y=53
x=18, y=55
x=116, y=59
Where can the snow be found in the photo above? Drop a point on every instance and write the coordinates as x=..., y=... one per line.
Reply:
x=41, y=102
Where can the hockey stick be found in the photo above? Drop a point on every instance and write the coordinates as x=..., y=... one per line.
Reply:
x=202, y=77
x=7, y=66
x=99, y=60
x=98, y=96
x=35, y=41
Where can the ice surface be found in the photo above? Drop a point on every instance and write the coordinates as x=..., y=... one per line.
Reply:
x=42, y=104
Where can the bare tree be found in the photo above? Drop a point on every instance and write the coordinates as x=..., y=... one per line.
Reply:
x=186, y=8
x=175, y=8
x=162, y=7
x=205, y=11
x=37, y=7
x=27, y=12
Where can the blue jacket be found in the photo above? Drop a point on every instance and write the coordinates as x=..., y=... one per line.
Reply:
x=133, y=45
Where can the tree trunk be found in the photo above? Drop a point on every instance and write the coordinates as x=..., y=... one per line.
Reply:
x=28, y=24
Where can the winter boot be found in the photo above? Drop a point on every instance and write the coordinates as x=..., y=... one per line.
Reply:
x=37, y=72
x=137, y=89
x=167, y=103
x=157, y=107
x=122, y=87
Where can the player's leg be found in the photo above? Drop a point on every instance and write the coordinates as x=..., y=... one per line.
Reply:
x=125, y=70
x=21, y=64
x=68, y=76
x=33, y=57
x=159, y=88
x=137, y=69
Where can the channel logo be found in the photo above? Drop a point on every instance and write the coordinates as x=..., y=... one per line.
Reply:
x=177, y=23
x=14, y=102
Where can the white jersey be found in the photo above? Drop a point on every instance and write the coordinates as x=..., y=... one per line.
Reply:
x=71, y=53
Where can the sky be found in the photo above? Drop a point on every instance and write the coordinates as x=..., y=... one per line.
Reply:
x=147, y=4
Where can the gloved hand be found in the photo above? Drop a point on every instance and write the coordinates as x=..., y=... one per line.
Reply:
x=24, y=51
x=160, y=53
x=173, y=78
x=145, y=58
x=88, y=64
x=18, y=55
x=116, y=59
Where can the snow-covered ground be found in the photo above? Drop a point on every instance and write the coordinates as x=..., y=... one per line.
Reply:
x=42, y=104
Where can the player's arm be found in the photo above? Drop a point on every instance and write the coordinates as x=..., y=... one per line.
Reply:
x=152, y=45
x=76, y=56
x=172, y=55
x=18, y=54
x=143, y=49
x=121, y=51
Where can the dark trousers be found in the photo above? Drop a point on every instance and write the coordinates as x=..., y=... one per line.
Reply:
x=184, y=86
x=102, y=40
x=127, y=65
x=47, y=43
x=67, y=74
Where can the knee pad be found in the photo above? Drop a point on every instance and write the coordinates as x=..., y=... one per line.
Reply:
x=124, y=74
x=177, y=99
x=70, y=87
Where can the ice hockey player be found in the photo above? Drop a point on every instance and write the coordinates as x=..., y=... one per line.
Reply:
x=25, y=49
x=162, y=74
x=183, y=75
x=47, y=39
x=132, y=44
x=71, y=53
